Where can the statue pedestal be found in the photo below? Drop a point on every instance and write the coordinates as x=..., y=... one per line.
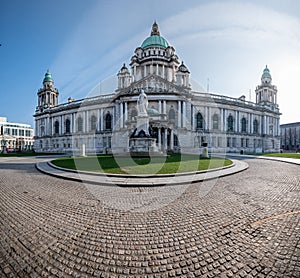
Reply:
x=142, y=123
x=141, y=144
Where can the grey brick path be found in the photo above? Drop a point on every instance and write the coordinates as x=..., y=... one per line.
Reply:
x=57, y=228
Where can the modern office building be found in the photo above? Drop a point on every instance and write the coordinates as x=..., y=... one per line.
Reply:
x=15, y=136
x=181, y=119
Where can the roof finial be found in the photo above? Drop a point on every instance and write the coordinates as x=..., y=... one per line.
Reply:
x=154, y=31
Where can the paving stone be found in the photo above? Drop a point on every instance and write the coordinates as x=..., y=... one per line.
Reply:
x=62, y=228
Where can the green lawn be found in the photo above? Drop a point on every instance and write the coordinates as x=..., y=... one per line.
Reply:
x=174, y=163
x=288, y=155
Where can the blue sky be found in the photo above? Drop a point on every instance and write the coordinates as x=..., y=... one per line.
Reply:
x=86, y=42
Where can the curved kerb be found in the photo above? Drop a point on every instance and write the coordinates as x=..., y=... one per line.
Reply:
x=141, y=180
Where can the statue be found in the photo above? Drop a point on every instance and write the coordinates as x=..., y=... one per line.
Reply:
x=142, y=104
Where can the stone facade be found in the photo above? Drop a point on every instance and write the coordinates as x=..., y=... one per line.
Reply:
x=181, y=119
x=290, y=136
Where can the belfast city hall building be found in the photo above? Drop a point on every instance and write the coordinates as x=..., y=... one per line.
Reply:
x=180, y=119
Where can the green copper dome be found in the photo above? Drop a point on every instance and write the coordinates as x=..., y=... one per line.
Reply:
x=155, y=40
x=266, y=73
x=152, y=112
x=48, y=77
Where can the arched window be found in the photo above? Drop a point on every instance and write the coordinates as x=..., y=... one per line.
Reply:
x=107, y=121
x=93, y=123
x=56, y=127
x=230, y=123
x=244, y=124
x=255, y=126
x=68, y=126
x=199, y=120
x=215, y=120
x=171, y=115
x=79, y=124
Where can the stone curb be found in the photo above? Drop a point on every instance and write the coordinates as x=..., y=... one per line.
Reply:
x=94, y=178
x=294, y=161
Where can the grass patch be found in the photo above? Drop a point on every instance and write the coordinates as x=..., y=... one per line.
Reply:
x=287, y=155
x=174, y=163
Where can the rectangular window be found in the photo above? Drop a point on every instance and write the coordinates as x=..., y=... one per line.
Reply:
x=109, y=142
x=7, y=131
x=247, y=143
x=21, y=132
x=228, y=142
x=27, y=133
x=242, y=142
x=234, y=142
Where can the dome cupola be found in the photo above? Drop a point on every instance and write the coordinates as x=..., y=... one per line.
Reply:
x=155, y=40
x=48, y=77
x=266, y=76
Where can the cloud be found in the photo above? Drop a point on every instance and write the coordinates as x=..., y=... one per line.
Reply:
x=229, y=42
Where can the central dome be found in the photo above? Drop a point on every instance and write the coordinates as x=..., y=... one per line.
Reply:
x=155, y=40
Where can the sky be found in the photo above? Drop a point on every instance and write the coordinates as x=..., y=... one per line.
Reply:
x=225, y=44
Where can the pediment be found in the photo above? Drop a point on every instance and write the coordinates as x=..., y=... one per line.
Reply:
x=153, y=84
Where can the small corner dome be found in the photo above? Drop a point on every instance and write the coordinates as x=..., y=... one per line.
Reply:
x=266, y=73
x=123, y=69
x=155, y=40
x=183, y=68
x=48, y=77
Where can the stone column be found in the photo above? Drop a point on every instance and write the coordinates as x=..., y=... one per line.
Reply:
x=184, y=114
x=264, y=124
x=62, y=126
x=126, y=111
x=164, y=107
x=101, y=119
x=47, y=129
x=172, y=140
x=249, y=122
x=74, y=122
x=86, y=129
x=134, y=74
x=225, y=118
x=236, y=122
x=208, y=119
x=121, y=115
x=165, y=139
x=179, y=113
x=222, y=120
x=114, y=117
x=159, y=138
x=98, y=122
x=192, y=117
x=159, y=106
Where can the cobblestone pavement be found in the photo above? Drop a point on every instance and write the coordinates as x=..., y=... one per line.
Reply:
x=242, y=228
